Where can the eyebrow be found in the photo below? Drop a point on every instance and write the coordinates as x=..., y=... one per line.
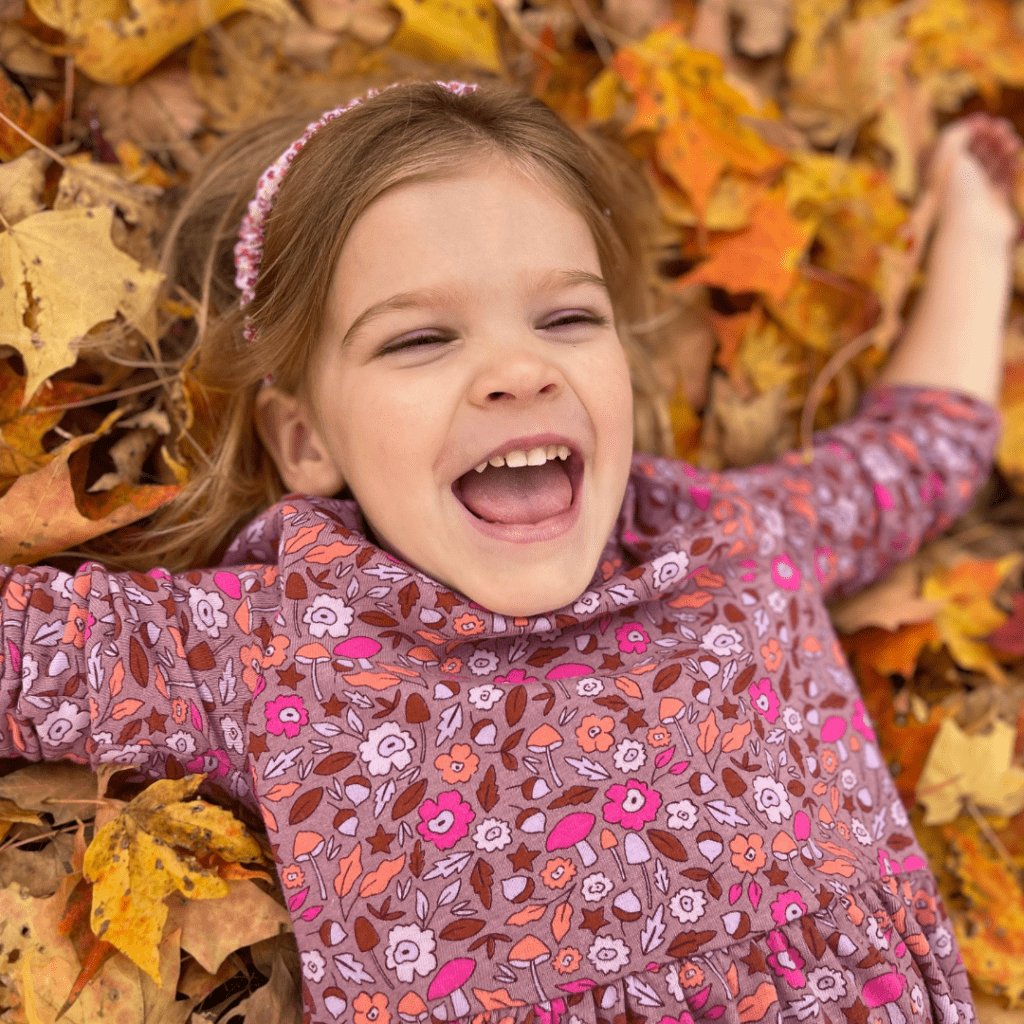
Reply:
x=446, y=295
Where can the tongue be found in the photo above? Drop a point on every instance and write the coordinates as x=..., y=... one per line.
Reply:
x=527, y=494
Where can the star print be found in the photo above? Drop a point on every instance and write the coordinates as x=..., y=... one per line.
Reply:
x=446, y=600
x=522, y=859
x=380, y=841
x=728, y=709
x=258, y=744
x=776, y=876
x=848, y=804
x=611, y=662
x=634, y=720
x=289, y=677
x=667, y=626
x=168, y=606
x=333, y=707
x=264, y=632
x=156, y=721
x=755, y=961
x=856, y=1014
x=593, y=920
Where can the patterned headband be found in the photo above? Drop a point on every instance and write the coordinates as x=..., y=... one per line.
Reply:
x=249, y=247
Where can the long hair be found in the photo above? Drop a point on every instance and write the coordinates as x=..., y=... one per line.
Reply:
x=415, y=132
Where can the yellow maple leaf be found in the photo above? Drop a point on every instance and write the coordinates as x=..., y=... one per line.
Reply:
x=968, y=613
x=449, y=30
x=980, y=767
x=1010, y=449
x=35, y=256
x=133, y=865
x=116, y=43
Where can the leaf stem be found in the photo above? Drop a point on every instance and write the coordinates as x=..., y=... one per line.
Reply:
x=35, y=142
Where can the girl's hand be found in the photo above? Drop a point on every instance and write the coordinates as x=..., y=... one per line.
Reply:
x=974, y=163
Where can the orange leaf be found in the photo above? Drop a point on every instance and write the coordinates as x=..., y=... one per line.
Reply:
x=349, y=869
x=529, y=914
x=374, y=680
x=377, y=881
x=754, y=1007
x=697, y=599
x=499, y=999
x=628, y=687
x=561, y=921
x=116, y=678
x=836, y=867
x=707, y=733
x=126, y=707
x=282, y=791
x=324, y=553
x=305, y=536
x=734, y=738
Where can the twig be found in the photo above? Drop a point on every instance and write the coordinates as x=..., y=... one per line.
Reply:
x=990, y=834
x=597, y=37
x=106, y=396
x=69, y=96
x=52, y=154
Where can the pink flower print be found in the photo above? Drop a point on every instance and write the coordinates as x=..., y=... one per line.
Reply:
x=784, y=573
x=632, y=805
x=214, y=763
x=785, y=960
x=788, y=906
x=632, y=638
x=887, y=865
x=683, y=1018
x=765, y=699
x=826, y=566
x=285, y=715
x=860, y=722
x=515, y=677
x=445, y=822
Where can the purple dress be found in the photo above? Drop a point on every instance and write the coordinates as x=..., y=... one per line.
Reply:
x=663, y=802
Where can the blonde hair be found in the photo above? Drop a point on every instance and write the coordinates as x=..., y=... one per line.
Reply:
x=416, y=132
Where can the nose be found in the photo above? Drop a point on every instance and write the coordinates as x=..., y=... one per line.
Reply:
x=516, y=371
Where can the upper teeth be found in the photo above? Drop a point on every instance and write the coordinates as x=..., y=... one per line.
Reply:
x=534, y=457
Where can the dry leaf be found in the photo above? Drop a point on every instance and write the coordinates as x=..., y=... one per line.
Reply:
x=449, y=30
x=21, y=185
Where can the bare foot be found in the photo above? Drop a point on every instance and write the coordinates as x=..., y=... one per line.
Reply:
x=974, y=163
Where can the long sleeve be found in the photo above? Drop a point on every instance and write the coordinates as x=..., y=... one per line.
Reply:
x=881, y=484
x=152, y=670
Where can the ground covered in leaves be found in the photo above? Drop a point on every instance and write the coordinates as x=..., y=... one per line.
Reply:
x=784, y=142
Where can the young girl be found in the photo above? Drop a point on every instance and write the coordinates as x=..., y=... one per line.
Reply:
x=539, y=727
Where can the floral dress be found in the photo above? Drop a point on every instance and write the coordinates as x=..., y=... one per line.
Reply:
x=663, y=802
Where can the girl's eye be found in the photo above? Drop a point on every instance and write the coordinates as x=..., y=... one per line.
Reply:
x=434, y=339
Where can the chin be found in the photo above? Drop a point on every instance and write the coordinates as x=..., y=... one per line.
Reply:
x=536, y=598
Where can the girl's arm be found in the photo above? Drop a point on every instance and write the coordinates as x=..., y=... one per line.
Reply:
x=152, y=670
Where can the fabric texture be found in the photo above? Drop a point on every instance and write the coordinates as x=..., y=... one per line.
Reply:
x=663, y=802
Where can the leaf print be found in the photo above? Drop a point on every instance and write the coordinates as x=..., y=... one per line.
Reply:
x=561, y=921
x=515, y=704
x=487, y=791
x=588, y=769
x=687, y=943
x=449, y=723
x=449, y=893
x=459, y=931
x=653, y=933
x=377, y=880
x=724, y=814
x=409, y=800
x=629, y=687
x=351, y=969
x=641, y=991
x=448, y=865
x=666, y=677
x=573, y=796
x=305, y=806
x=534, y=912
x=733, y=739
x=138, y=662
x=349, y=869
x=667, y=844
x=383, y=796
x=481, y=879
x=707, y=733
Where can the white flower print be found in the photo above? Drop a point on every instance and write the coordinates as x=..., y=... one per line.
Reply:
x=777, y=601
x=792, y=720
x=64, y=725
x=630, y=756
x=596, y=886
x=860, y=832
x=482, y=662
x=766, y=544
x=486, y=696
x=722, y=640
x=827, y=985
x=587, y=603
x=669, y=569
x=492, y=834
x=879, y=463
x=386, y=747
x=682, y=814
x=136, y=596
x=181, y=742
x=916, y=999
x=131, y=754
x=772, y=799
x=899, y=813
x=410, y=951
x=608, y=954
x=206, y=607
x=589, y=687
x=313, y=965
x=940, y=940
x=672, y=978
x=761, y=622
x=951, y=455
x=232, y=733
x=841, y=515
x=63, y=584
x=770, y=519
x=847, y=779
x=944, y=1010
x=328, y=616
x=687, y=905
x=29, y=672
x=876, y=932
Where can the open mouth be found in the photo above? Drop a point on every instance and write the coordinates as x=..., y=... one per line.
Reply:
x=572, y=467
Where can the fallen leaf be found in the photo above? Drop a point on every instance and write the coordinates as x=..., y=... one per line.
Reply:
x=447, y=30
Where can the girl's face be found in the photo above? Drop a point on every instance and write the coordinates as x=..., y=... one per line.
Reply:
x=494, y=341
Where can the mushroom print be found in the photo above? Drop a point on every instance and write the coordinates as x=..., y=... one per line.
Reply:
x=573, y=830
x=664, y=801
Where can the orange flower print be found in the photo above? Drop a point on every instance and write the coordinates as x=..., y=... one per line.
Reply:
x=772, y=654
x=274, y=655
x=843, y=829
x=595, y=733
x=924, y=908
x=690, y=975
x=659, y=736
x=292, y=876
x=78, y=627
x=252, y=665
x=567, y=961
x=179, y=710
x=747, y=853
x=452, y=666
x=459, y=765
x=371, y=1009
x=829, y=761
x=558, y=873
x=468, y=624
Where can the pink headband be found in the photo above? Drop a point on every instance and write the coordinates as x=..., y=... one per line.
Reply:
x=249, y=247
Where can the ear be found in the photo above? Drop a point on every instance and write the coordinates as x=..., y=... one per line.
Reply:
x=289, y=432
